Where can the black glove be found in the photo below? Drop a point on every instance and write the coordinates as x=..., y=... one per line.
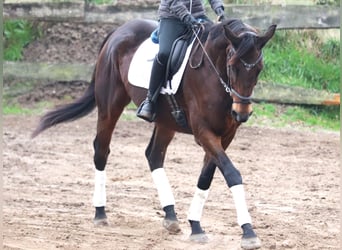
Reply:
x=220, y=14
x=190, y=21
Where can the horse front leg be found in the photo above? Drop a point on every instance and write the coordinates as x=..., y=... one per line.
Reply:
x=198, y=201
x=234, y=181
x=155, y=154
x=212, y=145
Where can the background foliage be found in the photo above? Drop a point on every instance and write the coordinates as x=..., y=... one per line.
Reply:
x=18, y=34
x=302, y=58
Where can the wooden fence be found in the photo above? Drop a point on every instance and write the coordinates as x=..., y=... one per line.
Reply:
x=286, y=16
x=261, y=16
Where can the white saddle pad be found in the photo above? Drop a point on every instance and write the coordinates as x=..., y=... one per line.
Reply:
x=139, y=72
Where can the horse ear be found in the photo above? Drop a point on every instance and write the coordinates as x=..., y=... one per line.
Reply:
x=262, y=40
x=235, y=40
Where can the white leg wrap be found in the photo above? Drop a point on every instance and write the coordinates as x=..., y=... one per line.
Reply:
x=197, y=204
x=243, y=215
x=99, y=198
x=163, y=187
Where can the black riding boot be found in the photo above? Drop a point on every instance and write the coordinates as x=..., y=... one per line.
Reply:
x=147, y=109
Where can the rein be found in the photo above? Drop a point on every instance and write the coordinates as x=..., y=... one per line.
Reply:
x=227, y=85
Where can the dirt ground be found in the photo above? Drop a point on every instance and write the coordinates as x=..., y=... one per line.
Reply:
x=291, y=177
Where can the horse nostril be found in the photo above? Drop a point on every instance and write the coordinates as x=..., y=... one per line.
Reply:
x=251, y=113
x=234, y=114
x=240, y=117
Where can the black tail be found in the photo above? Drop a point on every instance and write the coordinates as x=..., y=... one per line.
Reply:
x=69, y=112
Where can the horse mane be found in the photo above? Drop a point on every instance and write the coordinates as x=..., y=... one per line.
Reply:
x=240, y=29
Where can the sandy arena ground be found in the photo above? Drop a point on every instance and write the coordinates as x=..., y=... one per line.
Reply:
x=291, y=176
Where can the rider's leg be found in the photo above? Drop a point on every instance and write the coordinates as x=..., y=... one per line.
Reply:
x=146, y=110
x=170, y=29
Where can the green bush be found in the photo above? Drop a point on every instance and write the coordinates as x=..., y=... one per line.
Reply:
x=331, y=51
x=18, y=34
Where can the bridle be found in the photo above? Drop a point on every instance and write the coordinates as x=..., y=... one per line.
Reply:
x=227, y=85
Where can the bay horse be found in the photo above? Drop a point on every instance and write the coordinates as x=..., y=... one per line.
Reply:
x=215, y=96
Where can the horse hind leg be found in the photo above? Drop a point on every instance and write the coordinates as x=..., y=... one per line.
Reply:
x=101, y=143
x=105, y=127
x=155, y=154
x=101, y=148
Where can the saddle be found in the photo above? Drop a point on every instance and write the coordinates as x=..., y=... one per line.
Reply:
x=177, y=55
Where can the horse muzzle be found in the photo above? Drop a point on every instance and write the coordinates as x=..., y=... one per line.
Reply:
x=241, y=111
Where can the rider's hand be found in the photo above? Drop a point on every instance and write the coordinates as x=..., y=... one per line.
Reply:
x=220, y=14
x=190, y=21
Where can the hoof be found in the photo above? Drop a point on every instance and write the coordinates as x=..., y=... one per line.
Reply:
x=199, y=238
x=172, y=226
x=101, y=222
x=250, y=243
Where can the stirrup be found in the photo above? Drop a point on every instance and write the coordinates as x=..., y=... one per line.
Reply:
x=146, y=112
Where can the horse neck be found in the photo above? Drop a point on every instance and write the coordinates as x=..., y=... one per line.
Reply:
x=211, y=70
x=217, y=54
x=209, y=54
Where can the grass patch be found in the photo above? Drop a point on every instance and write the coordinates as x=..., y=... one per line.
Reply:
x=312, y=64
x=131, y=106
x=100, y=1
x=323, y=117
x=316, y=117
x=129, y=113
x=15, y=110
x=10, y=108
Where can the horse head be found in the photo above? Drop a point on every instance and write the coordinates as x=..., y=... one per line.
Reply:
x=244, y=62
